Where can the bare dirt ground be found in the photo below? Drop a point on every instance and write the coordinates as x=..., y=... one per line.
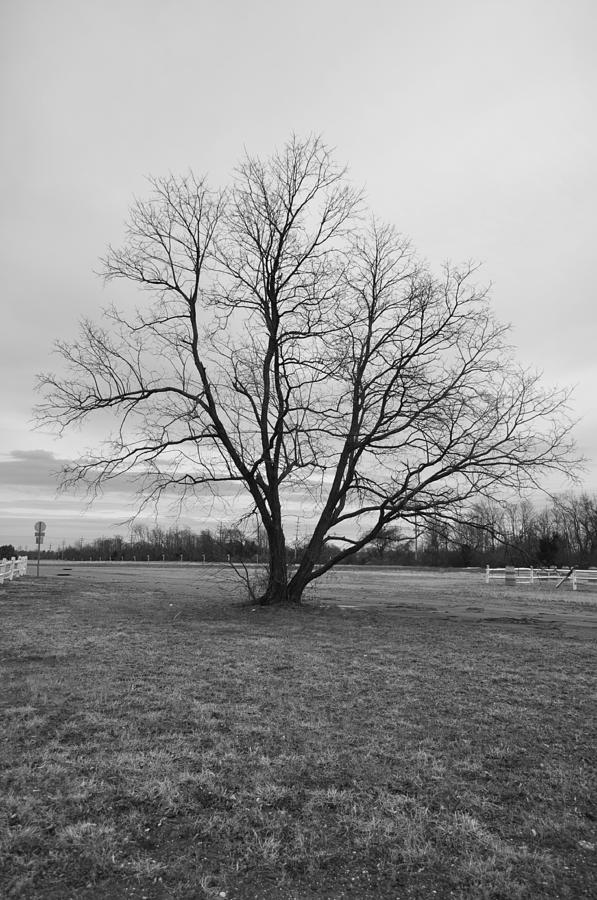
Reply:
x=451, y=594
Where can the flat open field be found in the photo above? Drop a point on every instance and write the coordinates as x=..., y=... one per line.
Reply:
x=404, y=735
x=448, y=593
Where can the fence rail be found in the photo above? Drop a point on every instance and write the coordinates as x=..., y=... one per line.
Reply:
x=530, y=575
x=13, y=568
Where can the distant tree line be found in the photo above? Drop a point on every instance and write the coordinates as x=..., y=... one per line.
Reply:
x=490, y=533
x=562, y=533
x=156, y=544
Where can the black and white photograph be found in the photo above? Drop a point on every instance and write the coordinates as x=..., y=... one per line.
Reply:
x=298, y=450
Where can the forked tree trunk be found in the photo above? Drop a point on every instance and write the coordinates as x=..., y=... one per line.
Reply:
x=280, y=589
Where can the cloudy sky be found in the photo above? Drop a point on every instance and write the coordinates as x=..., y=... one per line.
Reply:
x=470, y=123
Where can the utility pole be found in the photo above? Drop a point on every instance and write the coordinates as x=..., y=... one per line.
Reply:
x=416, y=539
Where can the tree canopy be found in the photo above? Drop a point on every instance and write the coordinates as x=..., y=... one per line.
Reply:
x=290, y=341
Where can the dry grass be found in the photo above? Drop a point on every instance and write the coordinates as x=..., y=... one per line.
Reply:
x=160, y=745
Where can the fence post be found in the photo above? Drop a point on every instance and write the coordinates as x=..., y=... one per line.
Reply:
x=532, y=575
x=574, y=580
x=487, y=571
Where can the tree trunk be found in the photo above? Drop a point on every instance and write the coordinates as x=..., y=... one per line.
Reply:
x=302, y=576
x=276, y=591
x=296, y=587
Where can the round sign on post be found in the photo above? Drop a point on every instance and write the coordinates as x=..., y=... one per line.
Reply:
x=40, y=528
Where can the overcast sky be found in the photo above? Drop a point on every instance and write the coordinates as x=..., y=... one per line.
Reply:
x=470, y=123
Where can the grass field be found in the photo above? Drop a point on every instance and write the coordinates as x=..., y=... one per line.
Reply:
x=435, y=737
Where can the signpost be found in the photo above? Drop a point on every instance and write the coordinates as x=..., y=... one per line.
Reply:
x=40, y=530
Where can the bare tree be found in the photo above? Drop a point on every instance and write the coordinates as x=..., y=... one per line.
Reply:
x=575, y=519
x=293, y=343
x=385, y=539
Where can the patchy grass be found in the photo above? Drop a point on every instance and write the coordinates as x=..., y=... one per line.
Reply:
x=159, y=745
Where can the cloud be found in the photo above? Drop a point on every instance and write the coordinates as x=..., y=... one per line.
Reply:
x=29, y=491
x=29, y=485
x=31, y=468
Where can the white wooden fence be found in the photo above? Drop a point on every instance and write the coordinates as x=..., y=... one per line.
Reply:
x=12, y=568
x=530, y=575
